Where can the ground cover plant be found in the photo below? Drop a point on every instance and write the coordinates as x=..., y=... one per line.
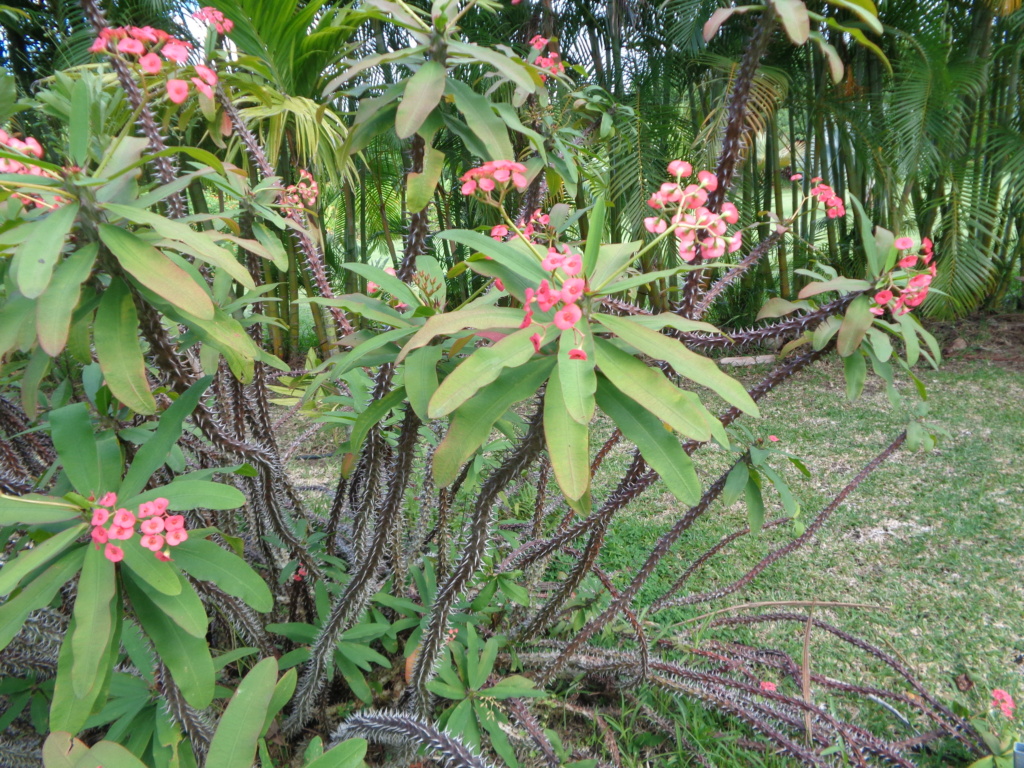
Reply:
x=501, y=395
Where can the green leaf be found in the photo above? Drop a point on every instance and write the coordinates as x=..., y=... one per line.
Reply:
x=658, y=446
x=568, y=440
x=198, y=244
x=360, y=304
x=472, y=423
x=116, y=338
x=825, y=331
x=71, y=429
x=62, y=750
x=186, y=656
x=856, y=370
x=484, y=124
x=479, y=370
x=422, y=94
x=453, y=322
x=488, y=716
x=514, y=254
x=611, y=260
x=13, y=571
x=755, y=505
x=348, y=754
x=93, y=629
x=184, y=495
x=386, y=281
x=512, y=687
x=157, y=272
x=865, y=10
x=107, y=754
x=653, y=392
x=421, y=378
x=420, y=186
x=34, y=509
x=185, y=608
x=855, y=324
x=203, y=559
x=56, y=306
x=270, y=241
x=34, y=260
x=577, y=376
x=157, y=574
x=735, y=483
x=376, y=411
x=672, y=320
x=486, y=665
x=840, y=284
x=595, y=230
x=282, y=695
x=37, y=594
x=446, y=690
x=152, y=455
x=234, y=742
x=777, y=307
x=794, y=18
x=512, y=68
x=686, y=363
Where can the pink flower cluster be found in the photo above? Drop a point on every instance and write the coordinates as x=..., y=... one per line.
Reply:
x=305, y=192
x=833, y=203
x=551, y=63
x=32, y=148
x=1003, y=701
x=901, y=301
x=547, y=296
x=149, y=44
x=692, y=223
x=156, y=526
x=216, y=18
x=492, y=175
x=767, y=685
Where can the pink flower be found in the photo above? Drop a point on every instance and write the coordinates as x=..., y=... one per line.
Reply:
x=680, y=169
x=796, y=177
x=124, y=518
x=99, y=535
x=907, y=262
x=920, y=281
x=99, y=45
x=655, y=225
x=371, y=287
x=113, y=553
x=152, y=526
x=773, y=438
x=100, y=516
x=566, y=317
x=108, y=500
x=177, y=91
x=577, y=354
x=708, y=180
x=1003, y=701
x=175, y=537
x=538, y=42
x=572, y=289
x=150, y=64
x=730, y=214
x=389, y=271
x=882, y=298
x=499, y=232
x=202, y=87
x=903, y=243
x=573, y=264
x=552, y=261
x=926, y=245
x=469, y=187
x=132, y=46
x=536, y=340
x=174, y=523
x=768, y=686
x=207, y=74
x=152, y=542
x=175, y=51
x=119, y=533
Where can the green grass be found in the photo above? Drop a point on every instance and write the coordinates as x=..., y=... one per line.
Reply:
x=933, y=539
